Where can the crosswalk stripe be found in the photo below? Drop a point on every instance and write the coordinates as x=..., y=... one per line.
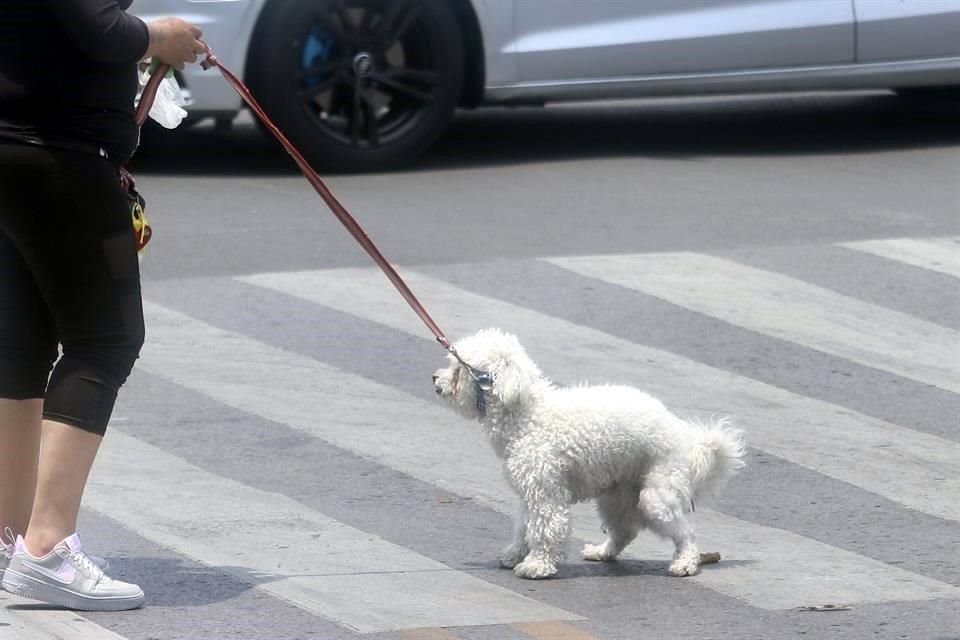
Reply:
x=786, y=308
x=934, y=254
x=45, y=624
x=917, y=470
x=423, y=440
x=291, y=551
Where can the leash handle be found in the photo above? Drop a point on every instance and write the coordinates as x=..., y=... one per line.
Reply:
x=149, y=94
x=321, y=188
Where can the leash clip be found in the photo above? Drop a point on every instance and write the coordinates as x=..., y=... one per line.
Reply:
x=482, y=378
x=482, y=381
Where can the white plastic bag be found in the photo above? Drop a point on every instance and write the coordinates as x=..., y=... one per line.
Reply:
x=166, y=109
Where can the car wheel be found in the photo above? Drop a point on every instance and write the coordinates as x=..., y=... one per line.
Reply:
x=357, y=85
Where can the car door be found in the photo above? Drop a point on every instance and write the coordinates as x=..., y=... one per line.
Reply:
x=558, y=40
x=907, y=29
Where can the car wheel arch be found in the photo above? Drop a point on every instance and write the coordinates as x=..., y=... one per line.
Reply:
x=474, y=54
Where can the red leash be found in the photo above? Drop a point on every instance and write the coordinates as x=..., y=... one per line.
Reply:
x=338, y=209
x=149, y=94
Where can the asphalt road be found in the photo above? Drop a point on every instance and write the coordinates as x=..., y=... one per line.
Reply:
x=278, y=468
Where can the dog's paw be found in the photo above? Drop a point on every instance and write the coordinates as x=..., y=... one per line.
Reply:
x=597, y=553
x=511, y=556
x=535, y=569
x=684, y=566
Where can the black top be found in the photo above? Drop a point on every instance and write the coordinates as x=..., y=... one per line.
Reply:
x=68, y=74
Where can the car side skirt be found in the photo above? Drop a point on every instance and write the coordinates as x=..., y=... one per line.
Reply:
x=878, y=75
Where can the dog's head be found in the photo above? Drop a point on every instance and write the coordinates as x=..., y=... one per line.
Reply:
x=494, y=353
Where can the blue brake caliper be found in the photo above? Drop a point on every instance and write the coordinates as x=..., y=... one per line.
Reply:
x=316, y=50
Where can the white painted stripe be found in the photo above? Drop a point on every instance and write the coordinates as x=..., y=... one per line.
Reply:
x=934, y=254
x=289, y=550
x=917, y=470
x=788, y=309
x=27, y=622
x=428, y=442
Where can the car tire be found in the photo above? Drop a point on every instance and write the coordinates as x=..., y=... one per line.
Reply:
x=357, y=85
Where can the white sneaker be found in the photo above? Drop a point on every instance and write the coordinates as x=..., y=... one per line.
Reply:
x=69, y=578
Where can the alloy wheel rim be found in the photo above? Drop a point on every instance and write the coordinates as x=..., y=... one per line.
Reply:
x=368, y=75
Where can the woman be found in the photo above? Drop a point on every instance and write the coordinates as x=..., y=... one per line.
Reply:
x=69, y=275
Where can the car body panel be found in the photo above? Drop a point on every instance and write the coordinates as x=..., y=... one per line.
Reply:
x=900, y=29
x=573, y=40
x=496, y=19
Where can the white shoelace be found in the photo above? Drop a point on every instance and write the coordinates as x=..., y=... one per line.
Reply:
x=83, y=562
x=8, y=541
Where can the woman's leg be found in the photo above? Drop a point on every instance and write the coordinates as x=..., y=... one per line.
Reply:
x=66, y=456
x=28, y=348
x=20, y=435
x=69, y=219
x=90, y=279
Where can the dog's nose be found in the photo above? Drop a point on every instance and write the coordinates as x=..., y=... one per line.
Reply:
x=435, y=378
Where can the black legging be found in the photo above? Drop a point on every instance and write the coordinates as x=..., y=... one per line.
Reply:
x=69, y=276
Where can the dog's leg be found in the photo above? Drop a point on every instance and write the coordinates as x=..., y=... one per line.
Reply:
x=548, y=527
x=662, y=507
x=518, y=548
x=621, y=520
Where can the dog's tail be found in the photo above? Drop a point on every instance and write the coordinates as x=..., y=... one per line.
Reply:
x=716, y=456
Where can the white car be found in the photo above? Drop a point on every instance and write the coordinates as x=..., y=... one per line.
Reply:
x=365, y=84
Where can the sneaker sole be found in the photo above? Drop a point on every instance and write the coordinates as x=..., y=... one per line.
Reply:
x=27, y=587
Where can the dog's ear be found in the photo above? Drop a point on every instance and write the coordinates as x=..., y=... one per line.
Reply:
x=510, y=380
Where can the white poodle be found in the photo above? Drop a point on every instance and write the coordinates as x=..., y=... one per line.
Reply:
x=644, y=466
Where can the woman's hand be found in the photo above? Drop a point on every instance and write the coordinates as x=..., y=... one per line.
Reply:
x=174, y=42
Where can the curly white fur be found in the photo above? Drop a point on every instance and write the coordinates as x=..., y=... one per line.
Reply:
x=645, y=467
